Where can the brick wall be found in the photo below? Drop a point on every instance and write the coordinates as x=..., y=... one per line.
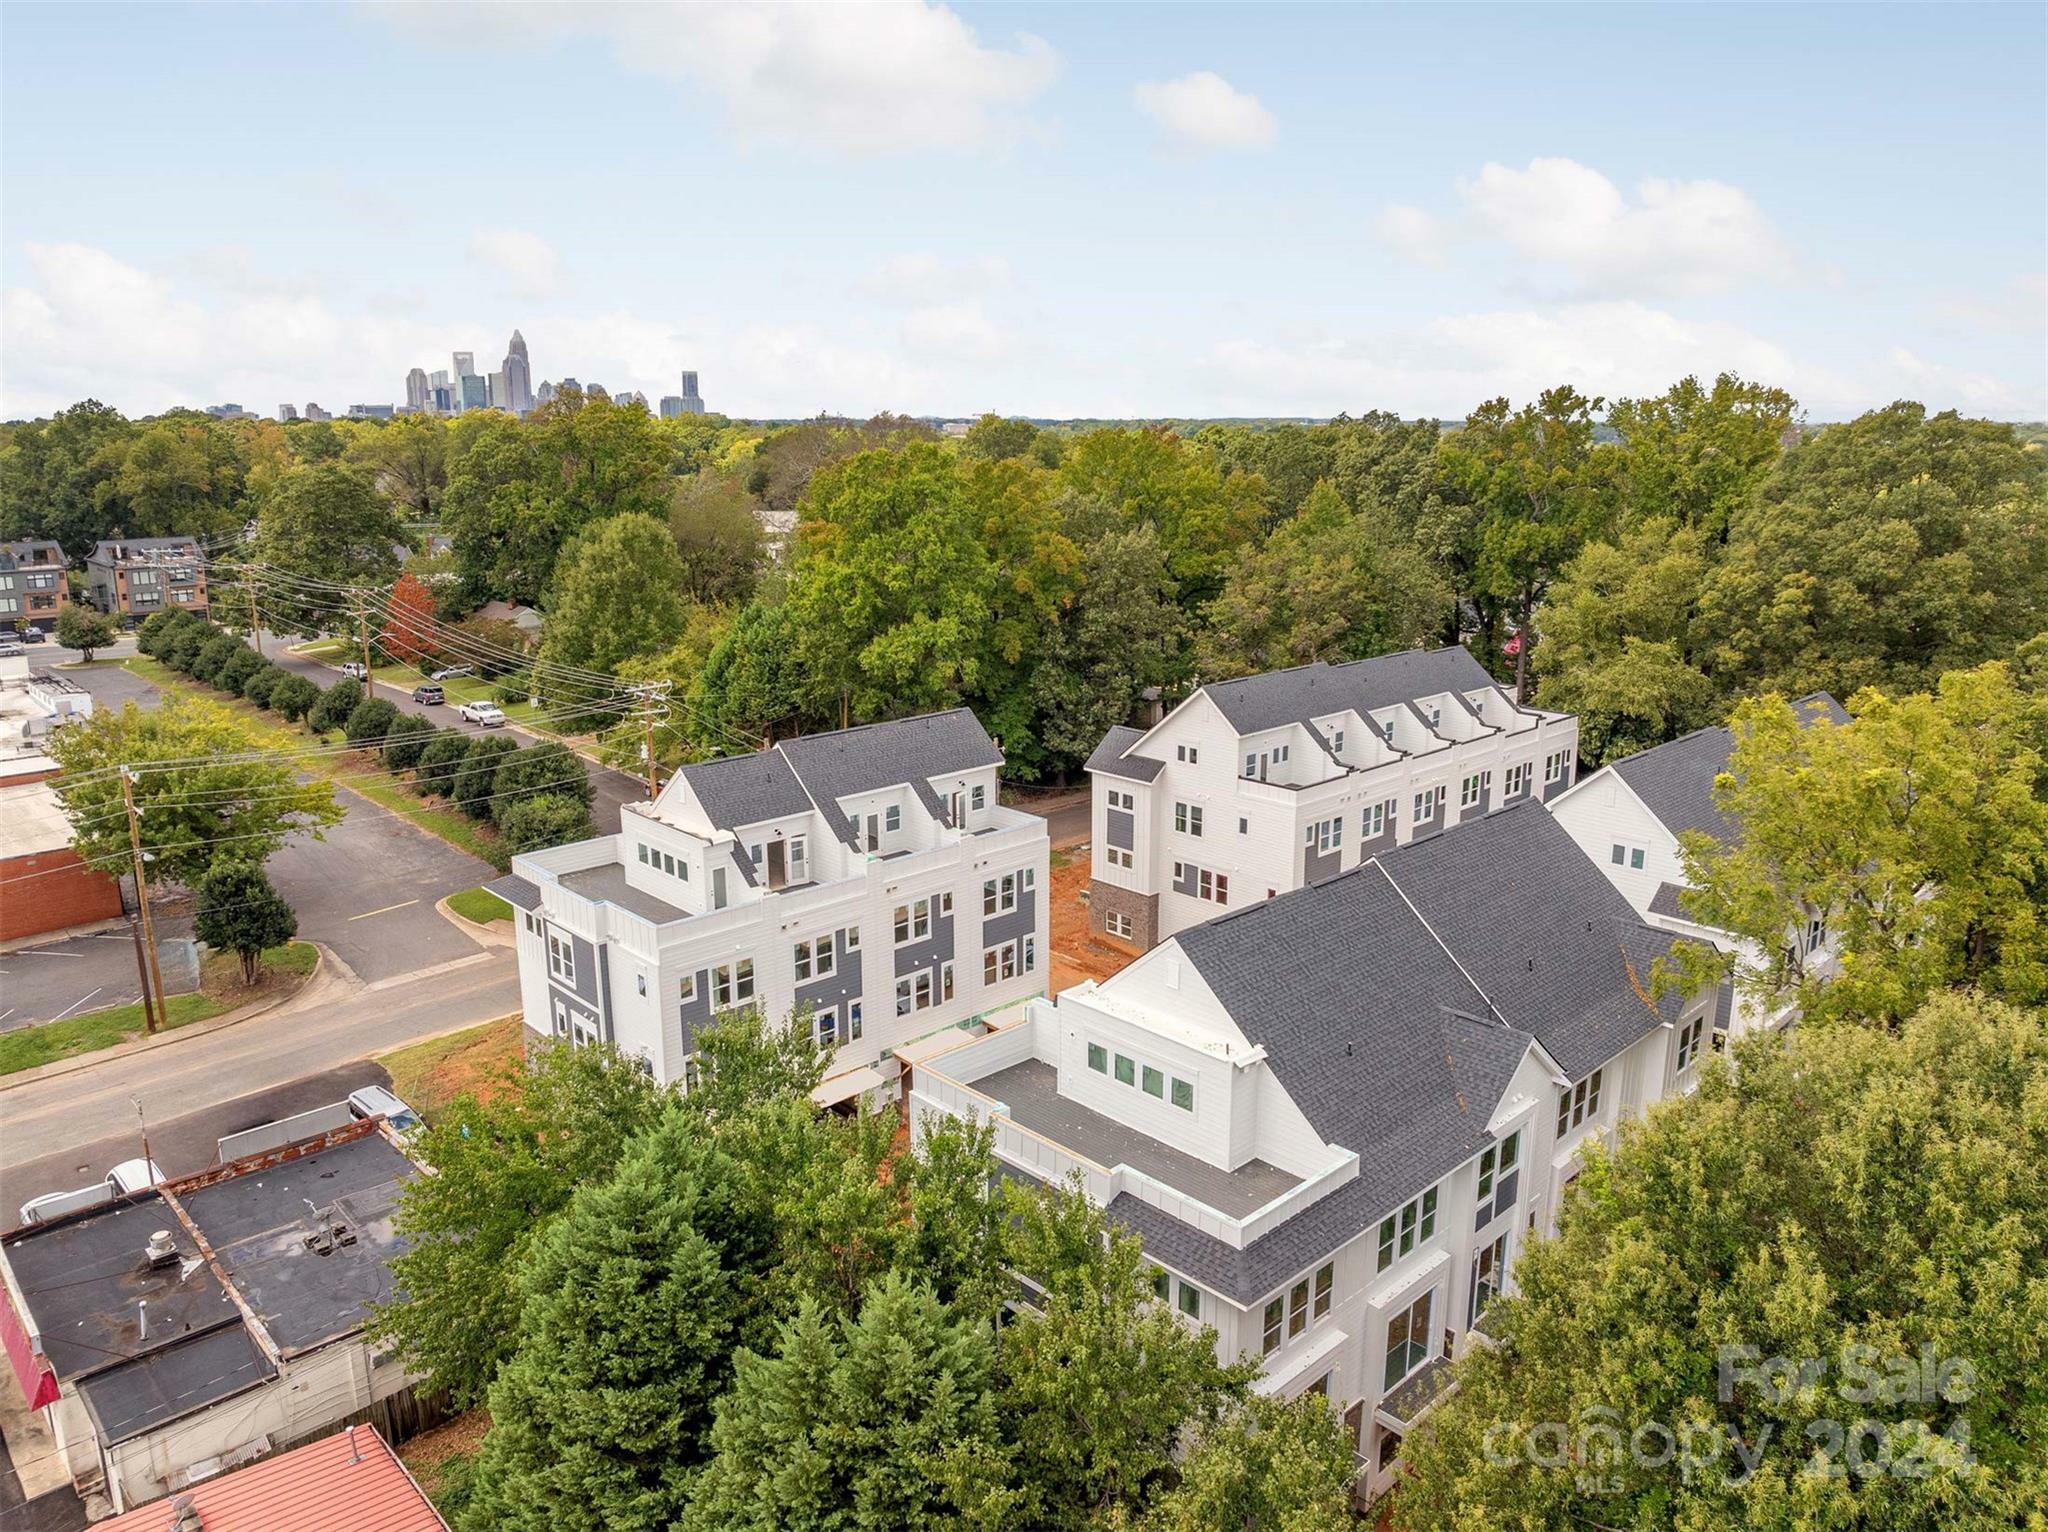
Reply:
x=1107, y=898
x=65, y=892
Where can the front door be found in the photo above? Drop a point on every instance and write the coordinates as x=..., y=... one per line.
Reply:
x=874, y=832
x=959, y=809
x=778, y=865
x=718, y=888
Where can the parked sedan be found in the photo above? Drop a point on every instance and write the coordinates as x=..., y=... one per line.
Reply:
x=452, y=673
x=488, y=714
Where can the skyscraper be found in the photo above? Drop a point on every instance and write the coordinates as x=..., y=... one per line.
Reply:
x=518, y=378
x=465, y=367
x=287, y=412
x=693, y=403
x=416, y=395
x=475, y=393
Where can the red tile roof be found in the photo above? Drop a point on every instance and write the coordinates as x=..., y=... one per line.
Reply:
x=349, y=1482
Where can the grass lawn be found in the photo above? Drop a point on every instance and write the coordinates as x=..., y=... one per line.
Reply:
x=380, y=787
x=479, y=905
x=221, y=990
x=478, y=1061
x=459, y=690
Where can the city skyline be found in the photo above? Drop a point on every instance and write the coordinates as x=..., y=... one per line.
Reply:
x=1272, y=210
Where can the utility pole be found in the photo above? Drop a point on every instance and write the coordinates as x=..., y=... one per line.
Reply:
x=363, y=629
x=155, y=981
x=649, y=694
x=255, y=623
x=141, y=962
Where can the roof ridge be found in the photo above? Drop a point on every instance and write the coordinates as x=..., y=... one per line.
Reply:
x=1442, y=945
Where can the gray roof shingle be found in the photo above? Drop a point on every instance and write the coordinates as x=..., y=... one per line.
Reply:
x=747, y=789
x=1110, y=756
x=1280, y=697
x=1675, y=780
x=876, y=755
x=1556, y=948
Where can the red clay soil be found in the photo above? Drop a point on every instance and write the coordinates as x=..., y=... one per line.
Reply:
x=1077, y=953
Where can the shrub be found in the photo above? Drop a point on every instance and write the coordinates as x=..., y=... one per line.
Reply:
x=261, y=682
x=517, y=687
x=241, y=665
x=475, y=786
x=370, y=722
x=219, y=649
x=178, y=646
x=407, y=741
x=533, y=824
x=548, y=768
x=293, y=697
x=335, y=704
x=444, y=753
x=160, y=627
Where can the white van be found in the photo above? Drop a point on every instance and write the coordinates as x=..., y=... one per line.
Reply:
x=376, y=1101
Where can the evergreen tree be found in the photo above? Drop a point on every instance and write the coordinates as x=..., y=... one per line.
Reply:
x=1268, y=1465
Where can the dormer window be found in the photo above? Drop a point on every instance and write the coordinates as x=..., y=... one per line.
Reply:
x=1337, y=742
x=1387, y=728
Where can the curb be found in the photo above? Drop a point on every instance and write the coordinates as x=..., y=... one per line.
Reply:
x=483, y=931
x=434, y=1037
x=58, y=1068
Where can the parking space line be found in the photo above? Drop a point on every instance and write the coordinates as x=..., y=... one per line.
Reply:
x=76, y=1004
x=385, y=911
x=32, y=952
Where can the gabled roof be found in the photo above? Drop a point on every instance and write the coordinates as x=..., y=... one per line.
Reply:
x=348, y=1482
x=1280, y=697
x=1557, y=949
x=1675, y=780
x=1110, y=756
x=747, y=789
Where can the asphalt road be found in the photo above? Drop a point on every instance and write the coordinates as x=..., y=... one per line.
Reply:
x=92, y=1112
x=611, y=789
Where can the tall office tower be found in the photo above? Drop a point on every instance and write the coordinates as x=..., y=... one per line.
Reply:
x=314, y=412
x=518, y=378
x=287, y=412
x=465, y=367
x=416, y=396
x=545, y=394
x=671, y=406
x=693, y=403
x=474, y=393
x=499, y=393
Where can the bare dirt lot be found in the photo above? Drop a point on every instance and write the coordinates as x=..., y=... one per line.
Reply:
x=1077, y=953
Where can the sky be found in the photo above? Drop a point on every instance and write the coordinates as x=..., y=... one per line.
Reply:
x=1054, y=210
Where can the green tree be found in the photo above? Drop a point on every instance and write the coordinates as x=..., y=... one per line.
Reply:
x=234, y=674
x=205, y=786
x=537, y=822
x=1916, y=835
x=84, y=630
x=406, y=741
x=474, y=786
x=440, y=760
x=1696, y=455
x=1622, y=646
x=633, y=1300
x=618, y=594
x=1842, y=1188
x=407, y=459
x=261, y=682
x=213, y=655
x=754, y=686
x=182, y=645
x=994, y=438
x=1269, y=1465
x=1533, y=484
x=504, y=1168
x=240, y=912
x=883, y=1421
x=549, y=769
x=891, y=584
x=1099, y=1382
x=293, y=697
x=370, y=722
x=1328, y=585
x=1883, y=552
x=336, y=703
x=51, y=472
x=159, y=627
x=182, y=474
x=718, y=538
x=1202, y=514
x=689, y=733
x=324, y=522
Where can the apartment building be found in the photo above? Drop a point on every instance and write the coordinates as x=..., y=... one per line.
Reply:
x=1257, y=786
x=1333, y=1117
x=133, y=577
x=867, y=881
x=1627, y=816
x=33, y=589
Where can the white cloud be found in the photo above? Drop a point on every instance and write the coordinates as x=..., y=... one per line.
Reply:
x=1205, y=111
x=887, y=75
x=919, y=278
x=1674, y=237
x=529, y=265
x=953, y=330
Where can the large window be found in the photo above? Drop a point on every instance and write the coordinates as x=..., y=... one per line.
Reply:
x=1401, y=1232
x=1555, y=765
x=1119, y=799
x=1117, y=857
x=1408, y=1338
x=1213, y=886
x=1187, y=818
x=1689, y=1043
x=913, y=921
x=1325, y=836
x=999, y=895
x=561, y=958
x=815, y=959
x=1489, y=1271
x=1470, y=791
x=1191, y=1300
x=892, y=818
x=1425, y=808
x=1377, y=820
x=1623, y=855
x=732, y=984
x=1577, y=1103
x=1518, y=779
x=1496, y=1161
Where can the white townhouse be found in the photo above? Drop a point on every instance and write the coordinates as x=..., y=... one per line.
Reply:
x=1627, y=816
x=1257, y=786
x=867, y=879
x=1335, y=1116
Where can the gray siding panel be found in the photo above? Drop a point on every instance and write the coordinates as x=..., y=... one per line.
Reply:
x=1315, y=866
x=1011, y=924
x=932, y=951
x=836, y=988
x=604, y=993
x=1185, y=883
x=577, y=1004
x=1120, y=829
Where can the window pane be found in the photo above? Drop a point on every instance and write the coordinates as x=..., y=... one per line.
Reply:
x=1098, y=1058
x=1126, y=1070
x=1184, y=1095
x=1154, y=1082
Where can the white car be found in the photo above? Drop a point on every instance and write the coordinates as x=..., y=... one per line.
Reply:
x=376, y=1101
x=355, y=671
x=489, y=714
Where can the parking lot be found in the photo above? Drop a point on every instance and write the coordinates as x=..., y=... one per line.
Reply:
x=56, y=979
